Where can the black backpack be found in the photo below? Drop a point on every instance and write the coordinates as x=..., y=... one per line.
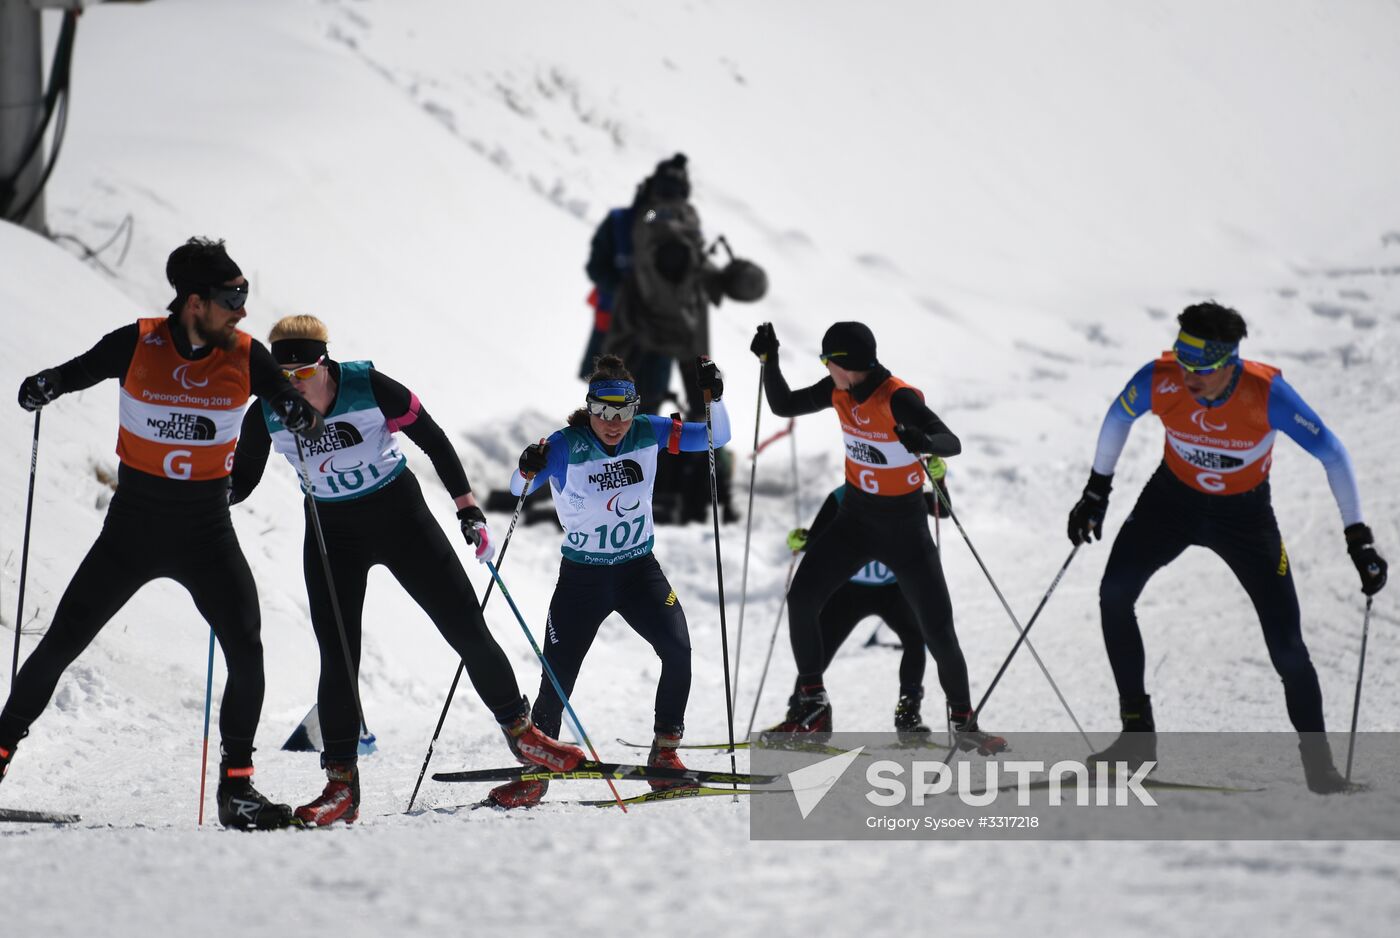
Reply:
x=666, y=303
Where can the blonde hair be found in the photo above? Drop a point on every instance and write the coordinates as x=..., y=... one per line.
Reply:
x=299, y=327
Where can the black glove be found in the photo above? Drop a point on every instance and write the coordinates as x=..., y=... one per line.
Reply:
x=299, y=417
x=765, y=342
x=473, y=520
x=474, y=530
x=914, y=439
x=534, y=458
x=38, y=390
x=710, y=377
x=1086, y=517
x=1371, y=566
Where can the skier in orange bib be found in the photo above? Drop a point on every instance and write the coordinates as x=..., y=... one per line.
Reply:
x=1221, y=414
x=185, y=380
x=883, y=517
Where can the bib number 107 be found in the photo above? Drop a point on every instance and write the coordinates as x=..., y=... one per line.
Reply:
x=620, y=535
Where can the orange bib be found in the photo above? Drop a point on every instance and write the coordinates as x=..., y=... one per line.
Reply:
x=180, y=418
x=876, y=461
x=1222, y=450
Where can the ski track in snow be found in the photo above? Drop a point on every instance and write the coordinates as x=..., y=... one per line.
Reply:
x=1019, y=244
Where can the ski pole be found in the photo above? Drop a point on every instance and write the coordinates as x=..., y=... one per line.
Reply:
x=763, y=678
x=796, y=477
x=462, y=665
x=1360, y=671
x=719, y=575
x=1007, y=606
x=1022, y=637
x=204, y=756
x=24, y=553
x=350, y=668
x=549, y=671
x=748, y=532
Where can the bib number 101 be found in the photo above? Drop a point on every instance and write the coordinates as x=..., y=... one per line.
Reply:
x=621, y=535
x=349, y=481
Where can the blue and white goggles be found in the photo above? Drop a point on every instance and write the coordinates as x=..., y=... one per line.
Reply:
x=1204, y=356
x=613, y=399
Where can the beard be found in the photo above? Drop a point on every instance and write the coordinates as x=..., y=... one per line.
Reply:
x=224, y=338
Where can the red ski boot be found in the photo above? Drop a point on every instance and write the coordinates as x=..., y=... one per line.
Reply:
x=339, y=801
x=522, y=794
x=809, y=713
x=970, y=737
x=530, y=746
x=664, y=756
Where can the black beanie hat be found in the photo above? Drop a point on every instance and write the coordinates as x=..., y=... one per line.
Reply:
x=671, y=181
x=197, y=265
x=850, y=345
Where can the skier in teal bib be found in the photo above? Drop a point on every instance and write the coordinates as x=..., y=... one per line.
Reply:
x=601, y=470
x=371, y=511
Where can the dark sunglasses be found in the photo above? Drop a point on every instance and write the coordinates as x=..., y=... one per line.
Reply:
x=230, y=298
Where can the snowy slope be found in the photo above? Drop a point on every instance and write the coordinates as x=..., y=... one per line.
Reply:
x=1017, y=197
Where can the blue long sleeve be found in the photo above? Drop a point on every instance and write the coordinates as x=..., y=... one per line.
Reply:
x=1135, y=401
x=693, y=436
x=1290, y=415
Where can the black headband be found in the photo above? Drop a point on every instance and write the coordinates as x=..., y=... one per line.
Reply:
x=297, y=351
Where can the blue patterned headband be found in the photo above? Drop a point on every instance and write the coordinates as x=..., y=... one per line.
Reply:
x=1204, y=352
x=613, y=390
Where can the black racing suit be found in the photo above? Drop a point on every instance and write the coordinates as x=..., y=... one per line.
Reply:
x=1241, y=529
x=637, y=590
x=892, y=529
x=855, y=601
x=157, y=527
x=390, y=526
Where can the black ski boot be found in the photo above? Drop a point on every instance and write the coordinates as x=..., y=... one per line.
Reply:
x=908, y=724
x=1323, y=777
x=969, y=736
x=243, y=807
x=1137, y=743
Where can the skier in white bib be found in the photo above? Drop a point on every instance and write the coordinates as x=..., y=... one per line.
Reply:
x=601, y=470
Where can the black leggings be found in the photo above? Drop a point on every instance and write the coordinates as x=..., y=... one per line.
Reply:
x=894, y=531
x=393, y=527
x=143, y=539
x=639, y=592
x=1241, y=529
x=854, y=602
